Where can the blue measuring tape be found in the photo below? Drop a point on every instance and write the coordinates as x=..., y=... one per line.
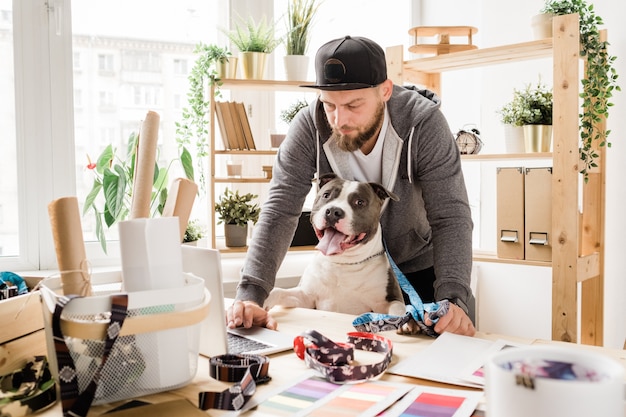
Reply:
x=377, y=322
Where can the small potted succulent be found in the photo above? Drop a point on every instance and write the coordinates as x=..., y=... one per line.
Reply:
x=531, y=109
x=236, y=211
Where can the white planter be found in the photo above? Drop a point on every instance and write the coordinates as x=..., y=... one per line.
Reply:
x=296, y=67
x=514, y=139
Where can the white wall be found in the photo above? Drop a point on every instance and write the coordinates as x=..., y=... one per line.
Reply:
x=472, y=97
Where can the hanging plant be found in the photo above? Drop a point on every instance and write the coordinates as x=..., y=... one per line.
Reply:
x=600, y=81
x=194, y=127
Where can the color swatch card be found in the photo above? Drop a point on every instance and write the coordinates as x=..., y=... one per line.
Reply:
x=425, y=401
x=314, y=396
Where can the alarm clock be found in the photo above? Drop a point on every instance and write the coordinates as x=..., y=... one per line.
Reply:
x=468, y=141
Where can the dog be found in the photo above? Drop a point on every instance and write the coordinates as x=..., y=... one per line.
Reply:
x=350, y=272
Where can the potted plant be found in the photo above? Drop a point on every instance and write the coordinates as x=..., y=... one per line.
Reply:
x=111, y=193
x=235, y=211
x=287, y=116
x=300, y=14
x=193, y=232
x=601, y=77
x=255, y=40
x=193, y=129
x=531, y=108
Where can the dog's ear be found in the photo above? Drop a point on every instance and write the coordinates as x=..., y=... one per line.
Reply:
x=326, y=178
x=382, y=192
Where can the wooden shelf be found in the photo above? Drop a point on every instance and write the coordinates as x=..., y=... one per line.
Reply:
x=241, y=180
x=260, y=85
x=246, y=152
x=505, y=54
x=507, y=156
x=577, y=237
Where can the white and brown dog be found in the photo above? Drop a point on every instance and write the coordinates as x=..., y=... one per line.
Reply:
x=350, y=273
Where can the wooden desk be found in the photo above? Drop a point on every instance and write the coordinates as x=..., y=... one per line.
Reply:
x=285, y=367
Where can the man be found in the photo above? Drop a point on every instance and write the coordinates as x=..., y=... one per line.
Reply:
x=364, y=128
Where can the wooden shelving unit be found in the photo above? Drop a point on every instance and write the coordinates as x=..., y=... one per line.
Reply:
x=215, y=154
x=577, y=237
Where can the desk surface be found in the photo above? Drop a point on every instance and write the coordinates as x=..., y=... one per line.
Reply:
x=285, y=367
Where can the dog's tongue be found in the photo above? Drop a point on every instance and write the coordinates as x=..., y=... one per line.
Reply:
x=330, y=243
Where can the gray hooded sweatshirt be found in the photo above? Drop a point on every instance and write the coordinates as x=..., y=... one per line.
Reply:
x=429, y=225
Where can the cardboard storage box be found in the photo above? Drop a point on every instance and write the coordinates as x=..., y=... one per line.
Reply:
x=21, y=334
x=538, y=214
x=510, y=212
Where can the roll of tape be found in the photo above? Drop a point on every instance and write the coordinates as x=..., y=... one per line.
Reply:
x=547, y=381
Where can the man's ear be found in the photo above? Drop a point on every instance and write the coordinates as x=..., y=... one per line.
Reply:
x=386, y=88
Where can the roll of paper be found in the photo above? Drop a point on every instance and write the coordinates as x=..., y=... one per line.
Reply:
x=144, y=166
x=150, y=253
x=179, y=203
x=70, y=248
x=548, y=381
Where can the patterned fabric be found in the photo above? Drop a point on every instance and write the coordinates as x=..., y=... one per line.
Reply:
x=377, y=322
x=77, y=403
x=246, y=370
x=333, y=360
x=27, y=390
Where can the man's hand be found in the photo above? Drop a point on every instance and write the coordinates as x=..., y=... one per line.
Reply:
x=248, y=314
x=455, y=321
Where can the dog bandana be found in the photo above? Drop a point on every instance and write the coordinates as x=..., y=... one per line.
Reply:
x=333, y=360
x=377, y=322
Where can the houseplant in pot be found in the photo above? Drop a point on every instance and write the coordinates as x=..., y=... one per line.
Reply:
x=235, y=211
x=193, y=233
x=111, y=193
x=531, y=108
x=287, y=116
x=600, y=79
x=255, y=40
x=300, y=14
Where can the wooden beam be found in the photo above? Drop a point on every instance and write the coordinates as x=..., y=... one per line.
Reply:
x=593, y=235
x=565, y=174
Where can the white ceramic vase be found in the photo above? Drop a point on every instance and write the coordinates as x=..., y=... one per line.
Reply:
x=514, y=139
x=296, y=67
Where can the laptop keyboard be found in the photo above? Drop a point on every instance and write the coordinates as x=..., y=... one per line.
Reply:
x=240, y=344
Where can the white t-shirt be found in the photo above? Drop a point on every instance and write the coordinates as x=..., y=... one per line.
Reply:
x=369, y=168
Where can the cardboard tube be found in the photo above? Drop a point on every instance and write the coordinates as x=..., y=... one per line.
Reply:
x=70, y=247
x=179, y=203
x=144, y=166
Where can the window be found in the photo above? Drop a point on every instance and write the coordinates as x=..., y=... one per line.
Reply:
x=9, y=213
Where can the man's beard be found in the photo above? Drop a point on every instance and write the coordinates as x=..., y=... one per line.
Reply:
x=351, y=144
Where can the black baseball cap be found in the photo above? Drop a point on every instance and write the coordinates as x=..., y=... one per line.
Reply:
x=349, y=63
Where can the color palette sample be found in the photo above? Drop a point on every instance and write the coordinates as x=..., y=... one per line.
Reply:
x=314, y=396
x=435, y=402
x=298, y=398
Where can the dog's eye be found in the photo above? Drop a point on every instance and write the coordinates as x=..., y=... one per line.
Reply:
x=359, y=203
x=325, y=194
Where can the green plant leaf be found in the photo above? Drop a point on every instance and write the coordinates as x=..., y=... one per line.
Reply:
x=91, y=197
x=105, y=159
x=187, y=163
x=114, y=186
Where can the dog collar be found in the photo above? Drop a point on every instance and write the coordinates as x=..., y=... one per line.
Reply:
x=361, y=261
x=333, y=360
x=246, y=370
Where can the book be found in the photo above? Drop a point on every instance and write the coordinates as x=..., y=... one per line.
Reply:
x=239, y=135
x=229, y=123
x=245, y=124
x=222, y=124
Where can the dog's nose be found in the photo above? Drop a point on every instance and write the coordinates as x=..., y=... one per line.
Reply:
x=334, y=214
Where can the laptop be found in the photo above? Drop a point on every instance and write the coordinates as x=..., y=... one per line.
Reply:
x=215, y=337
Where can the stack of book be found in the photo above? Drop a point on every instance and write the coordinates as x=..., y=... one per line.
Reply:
x=234, y=125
